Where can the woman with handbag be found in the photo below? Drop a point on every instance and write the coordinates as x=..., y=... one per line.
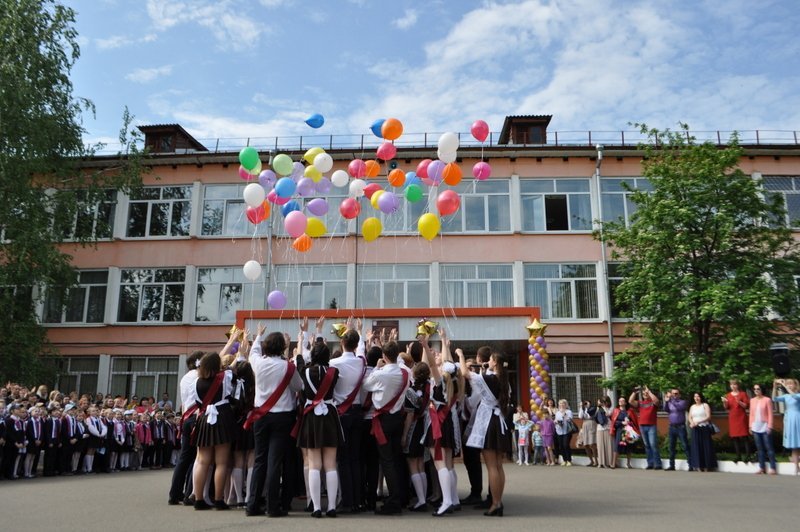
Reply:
x=565, y=428
x=605, y=446
x=622, y=417
x=588, y=435
x=703, y=455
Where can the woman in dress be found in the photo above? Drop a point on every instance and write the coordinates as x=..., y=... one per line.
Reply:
x=244, y=442
x=490, y=432
x=588, y=434
x=791, y=418
x=703, y=455
x=215, y=427
x=320, y=429
x=761, y=429
x=563, y=419
x=621, y=417
x=551, y=408
x=547, y=428
x=605, y=445
x=417, y=422
x=736, y=402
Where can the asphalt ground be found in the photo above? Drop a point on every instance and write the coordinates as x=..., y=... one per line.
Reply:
x=537, y=498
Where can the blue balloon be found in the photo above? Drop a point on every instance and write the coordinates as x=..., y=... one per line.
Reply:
x=412, y=179
x=376, y=127
x=285, y=187
x=316, y=120
x=290, y=206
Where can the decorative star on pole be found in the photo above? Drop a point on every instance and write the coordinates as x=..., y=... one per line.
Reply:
x=536, y=328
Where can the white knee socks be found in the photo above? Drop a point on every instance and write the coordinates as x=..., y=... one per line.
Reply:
x=453, y=487
x=418, y=482
x=332, y=483
x=315, y=487
x=447, y=494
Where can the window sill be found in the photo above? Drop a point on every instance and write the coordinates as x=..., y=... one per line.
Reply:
x=73, y=325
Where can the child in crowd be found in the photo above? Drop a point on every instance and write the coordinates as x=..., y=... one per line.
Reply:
x=538, y=445
x=548, y=431
x=523, y=427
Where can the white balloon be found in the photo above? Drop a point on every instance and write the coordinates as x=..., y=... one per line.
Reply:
x=448, y=142
x=446, y=156
x=340, y=178
x=252, y=270
x=323, y=162
x=357, y=187
x=254, y=194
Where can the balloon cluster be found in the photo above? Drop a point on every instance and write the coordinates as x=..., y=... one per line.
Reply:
x=539, y=368
x=290, y=186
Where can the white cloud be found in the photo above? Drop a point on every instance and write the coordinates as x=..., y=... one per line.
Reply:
x=146, y=75
x=115, y=41
x=408, y=19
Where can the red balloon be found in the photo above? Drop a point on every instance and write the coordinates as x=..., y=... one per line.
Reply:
x=371, y=189
x=422, y=168
x=349, y=208
x=448, y=202
x=357, y=168
x=481, y=171
x=386, y=151
x=256, y=215
x=480, y=130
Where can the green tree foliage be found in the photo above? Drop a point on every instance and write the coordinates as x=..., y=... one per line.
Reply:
x=708, y=266
x=43, y=186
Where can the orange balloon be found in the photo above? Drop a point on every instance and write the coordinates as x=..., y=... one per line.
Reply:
x=452, y=174
x=372, y=168
x=266, y=208
x=397, y=178
x=302, y=243
x=391, y=129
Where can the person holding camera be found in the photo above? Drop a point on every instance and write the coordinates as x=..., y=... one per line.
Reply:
x=587, y=438
x=646, y=405
x=791, y=418
x=563, y=419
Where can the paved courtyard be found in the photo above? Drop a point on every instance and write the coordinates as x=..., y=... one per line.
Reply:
x=537, y=498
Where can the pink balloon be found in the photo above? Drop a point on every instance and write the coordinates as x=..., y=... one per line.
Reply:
x=481, y=171
x=448, y=202
x=244, y=174
x=386, y=151
x=422, y=168
x=273, y=197
x=357, y=168
x=480, y=130
x=295, y=223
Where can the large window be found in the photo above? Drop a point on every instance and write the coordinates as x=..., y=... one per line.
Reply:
x=151, y=295
x=224, y=212
x=316, y=287
x=615, y=196
x=789, y=188
x=567, y=291
x=77, y=374
x=144, y=376
x=92, y=220
x=160, y=211
x=620, y=308
x=485, y=207
x=85, y=303
x=393, y=286
x=576, y=378
x=556, y=205
x=223, y=291
x=477, y=285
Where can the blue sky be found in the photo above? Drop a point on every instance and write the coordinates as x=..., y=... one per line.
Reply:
x=258, y=68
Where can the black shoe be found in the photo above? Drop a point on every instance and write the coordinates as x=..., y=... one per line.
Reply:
x=388, y=510
x=421, y=508
x=316, y=513
x=649, y=467
x=670, y=468
x=253, y=513
x=201, y=505
x=447, y=510
x=173, y=501
x=472, y=499
x=456, y=507
x=331, y=513
x=221, y=505
x=484, y=505
x=497, y=512
x=657, y=468
x=278, y=513
x=309, y=507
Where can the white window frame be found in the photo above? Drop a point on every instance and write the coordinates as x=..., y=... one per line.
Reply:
x=470, y=189
x=292, y=278
x=561, y=279
x=448, y=274
x=770, y=186
x=554, y=191
x=235, y=197
x=616, y=190
x=151, y=283
x=157, y=201
x=393, y=276
x=87, y=286
x=252, y=293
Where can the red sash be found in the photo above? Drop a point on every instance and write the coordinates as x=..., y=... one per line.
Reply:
x=348, y=402
x=437, y=418
x=323, y=390
x=262, y=410
x=189, y=411
x=215, y=385
x=377, y=430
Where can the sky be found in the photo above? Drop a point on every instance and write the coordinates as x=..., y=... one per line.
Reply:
x=258, y=68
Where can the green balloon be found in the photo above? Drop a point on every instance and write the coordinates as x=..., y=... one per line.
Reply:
x=413, y=193
x=282, y=164
x=248, y=157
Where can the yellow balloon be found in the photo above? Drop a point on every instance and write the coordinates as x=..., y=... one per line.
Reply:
x=535, y=344
x=538, y=390
x=532, y=341
x=313, y=173
x=315, y=228
x=542, y=351
x=538, y=367
x=310, y=154
x=374, y=199
x=429, y=226
x=371, y=229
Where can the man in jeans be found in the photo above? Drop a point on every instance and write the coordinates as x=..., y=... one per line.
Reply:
x=676, y=408
x=646, y=404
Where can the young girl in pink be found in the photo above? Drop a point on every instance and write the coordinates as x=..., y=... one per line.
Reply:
x=548, y=430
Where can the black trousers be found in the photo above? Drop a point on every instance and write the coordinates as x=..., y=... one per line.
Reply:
x=369, y=465
x=182, y=474
x=348, y=458
x=273, y=443
x=65, y=456
x=51, y=454
x=472, y=463
x=390, y=456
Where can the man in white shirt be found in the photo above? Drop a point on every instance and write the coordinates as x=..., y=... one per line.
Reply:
x=181, y=486
x=388, y=383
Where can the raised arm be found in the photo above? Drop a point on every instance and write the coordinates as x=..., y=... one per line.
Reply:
x=462, y=363
x=255, y=349
x=429, y=357
x=231, y=339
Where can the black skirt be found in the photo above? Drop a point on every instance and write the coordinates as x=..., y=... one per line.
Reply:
x=221, y=432
x=448, y=434
x=495, y=439
x=244, y=440
x=317, y=432
x=416, y=448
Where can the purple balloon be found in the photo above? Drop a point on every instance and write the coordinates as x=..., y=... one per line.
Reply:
x=305, y=186
x=317, y=206
x=544, y=344
x=267, y=179
x=538, y=401
x=537, y=357
x=276, y=299
x=324, y=185
x=234, y=348
x=539, y=339
x=539, y=379
x=388, y=202
x=435, y=169
x=298, y=169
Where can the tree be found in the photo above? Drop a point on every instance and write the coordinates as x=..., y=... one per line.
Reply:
x=708, y=269
x=43, y=186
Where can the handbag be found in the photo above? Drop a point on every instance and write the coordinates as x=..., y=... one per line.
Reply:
x=715, y=428
x=570, y=425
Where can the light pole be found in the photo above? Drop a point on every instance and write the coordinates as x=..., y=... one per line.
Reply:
x=604, y=261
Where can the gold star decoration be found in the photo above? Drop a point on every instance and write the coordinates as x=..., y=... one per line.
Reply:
x=536, y=328
x=339, y=329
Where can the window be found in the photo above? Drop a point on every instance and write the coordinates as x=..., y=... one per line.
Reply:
x=566, y=291
x=223, y=291
x=393, y=286
x=85, y=303
x=317, y=287
x=789, y=188
x=224, y=212
x=484, y=207
x=77, y=374
x=556, y=205
x=619, y=307
x=92, y=220
x=160, y=211
x=576, y=378
x=151, y=295
x=402, y=221
x=477, y=285
x=144, y=376
x=616, y=198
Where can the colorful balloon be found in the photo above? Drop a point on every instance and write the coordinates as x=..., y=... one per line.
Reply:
x=245, y=174
x=311, y=153
x=413, y=193
x=357, y=168
x=375, y=196
x=422, y=168
x=248, y=157
x=340, y=178
x=256, y=215
x=481, y=171
x=448, y=142
x=267, y=179
x=282, y=164
x=446, y=156
x=302, y=243
x=254, y=194
x=435, y=170
x=323, y=162
x=429, y=226
x=371, y=189
x=448, y=202
x=371, y=229
x=285, y=187
x=357, y=187
x=315, y=228
x=376, y=127
x=276, y=299
x=386, y=151
x=372, y=167
x=388, y=202
x=295, y=223
x=349, y=208
x=317, y=206
x=397, y=178
x=273, y=197
x=298, y=169
x=391, y=129
x=312, y=172
x=252, y=270
x=305, y=186
x=289, y=207
x=452, y=174
x=480, y=130
x=316, y=120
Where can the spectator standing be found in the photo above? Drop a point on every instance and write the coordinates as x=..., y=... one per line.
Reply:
x=563, y=418
x=791, y=419
x=703, y=455
x=588, y=434
x=646, y=404
x=736, y=402
x=622, y=416
x=676, y=408
x=761, y=429
x=605, y=445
